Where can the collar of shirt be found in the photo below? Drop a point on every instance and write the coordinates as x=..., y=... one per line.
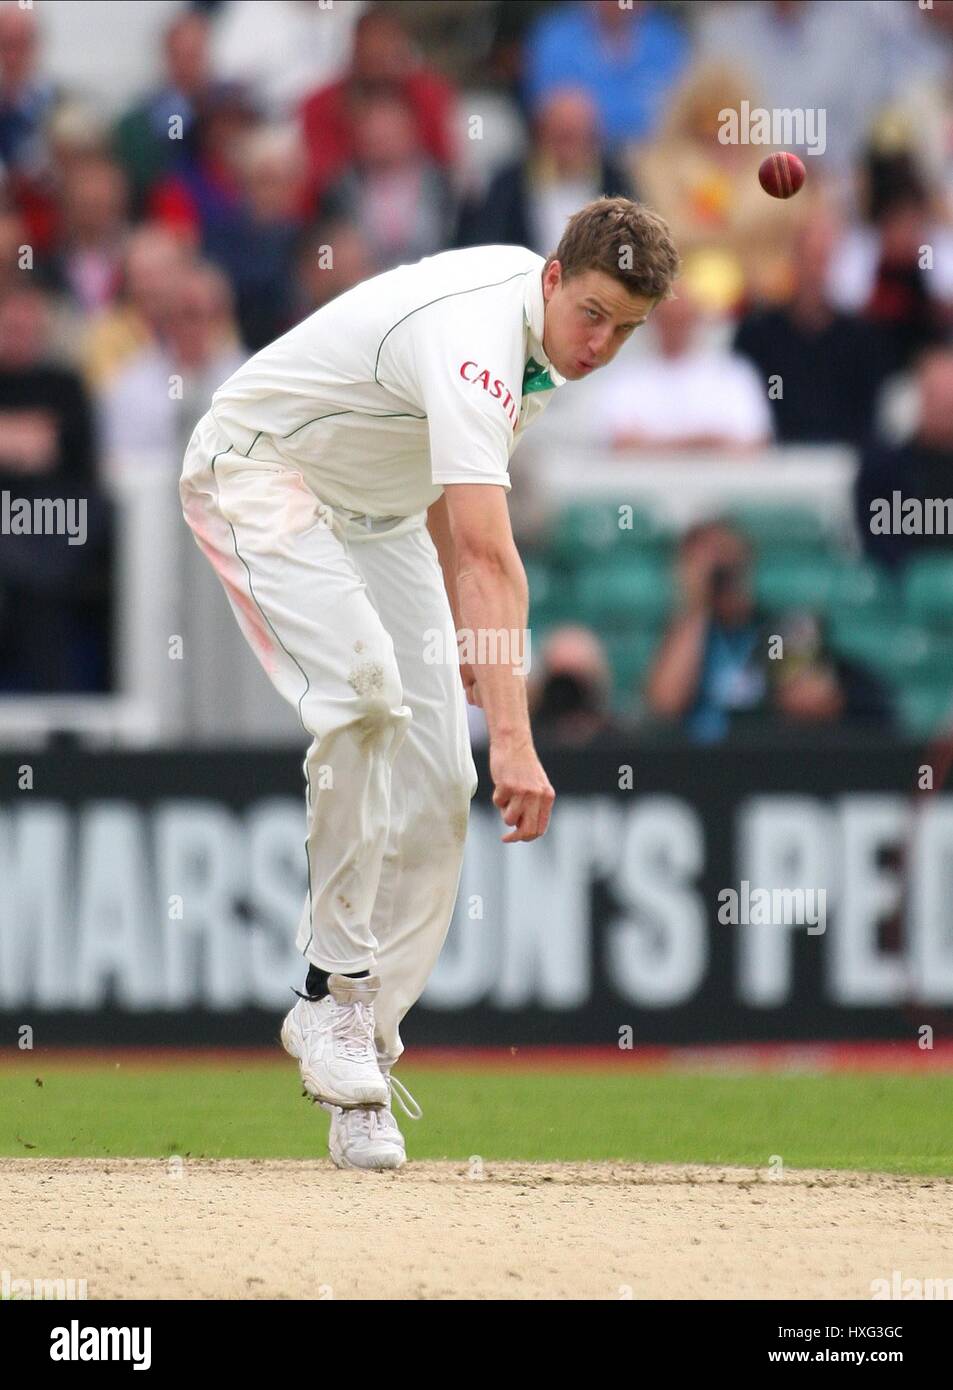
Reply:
x=534, y=309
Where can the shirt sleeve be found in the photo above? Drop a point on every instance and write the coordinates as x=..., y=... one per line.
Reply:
x=450, y=358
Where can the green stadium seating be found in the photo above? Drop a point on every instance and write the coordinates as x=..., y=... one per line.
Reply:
x=551, y=594
x=586, y=531
x=544, y=617
x=897, y=650
x=545, y=582
x=928, y=590
x=630, y=655
x=937, y=663
x=864, y=588
x=925, y=708
x=780, y=529
x=539, y=576
x=624, y=594
x=807, y=583
x=825, y=583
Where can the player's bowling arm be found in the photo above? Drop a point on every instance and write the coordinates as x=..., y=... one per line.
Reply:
x=493, y=598
x=438, y=524
x=494, y=601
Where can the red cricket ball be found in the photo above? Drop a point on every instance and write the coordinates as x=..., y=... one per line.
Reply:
x=781, y=175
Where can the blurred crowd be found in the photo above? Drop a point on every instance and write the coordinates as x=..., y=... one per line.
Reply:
x=284, y=150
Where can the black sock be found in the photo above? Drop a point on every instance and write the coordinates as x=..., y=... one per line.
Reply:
x=316, y=985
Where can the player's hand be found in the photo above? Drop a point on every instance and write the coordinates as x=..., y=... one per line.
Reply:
x=522, y=791
x=468, y=676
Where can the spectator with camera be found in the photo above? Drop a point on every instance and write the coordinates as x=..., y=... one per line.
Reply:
x=724, y=663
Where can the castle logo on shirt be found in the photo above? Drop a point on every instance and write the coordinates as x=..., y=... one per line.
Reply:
x=472, y=372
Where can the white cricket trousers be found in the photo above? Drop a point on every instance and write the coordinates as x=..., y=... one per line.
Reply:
x=346, y=622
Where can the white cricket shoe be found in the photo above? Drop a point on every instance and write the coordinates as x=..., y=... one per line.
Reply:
x=369, y=1137
x=333, y=1039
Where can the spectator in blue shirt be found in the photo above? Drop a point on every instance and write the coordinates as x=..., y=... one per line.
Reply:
x=27, y=96
x=627, y=59
x=711, y=665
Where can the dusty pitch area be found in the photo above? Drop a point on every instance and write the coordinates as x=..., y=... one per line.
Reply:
x=291, y=1229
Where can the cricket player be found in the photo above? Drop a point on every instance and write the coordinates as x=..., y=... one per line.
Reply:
x=348, y=485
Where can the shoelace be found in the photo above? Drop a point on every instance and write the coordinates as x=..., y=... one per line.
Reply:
x=400, y=1093
x=353, y=1031
x=368, y=1118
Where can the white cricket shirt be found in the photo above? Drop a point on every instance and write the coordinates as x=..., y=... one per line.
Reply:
x=424, y=375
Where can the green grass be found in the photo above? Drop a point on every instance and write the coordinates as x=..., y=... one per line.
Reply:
x=876, y=1122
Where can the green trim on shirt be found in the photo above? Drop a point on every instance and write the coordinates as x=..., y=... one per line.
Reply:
x=367, y=414
x=536, y=378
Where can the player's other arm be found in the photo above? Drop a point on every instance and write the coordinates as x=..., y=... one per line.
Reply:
x=493, y=603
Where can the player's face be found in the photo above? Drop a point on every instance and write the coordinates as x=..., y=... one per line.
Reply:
x=587, y=319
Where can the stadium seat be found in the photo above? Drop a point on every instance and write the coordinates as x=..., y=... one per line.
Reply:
x=552, y=598
x=826, y=583
x=624, y=593
x=797, y=583
x=773, y=530
x=585, y=531
x=543, y=617
x=865, y=588
x=896, y=650
x=928, y=590
x=542, y=578
x=630, y=655
x=937, y=663
x=925, y=707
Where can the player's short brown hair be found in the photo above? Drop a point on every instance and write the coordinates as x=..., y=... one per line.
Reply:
x=624, y=239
